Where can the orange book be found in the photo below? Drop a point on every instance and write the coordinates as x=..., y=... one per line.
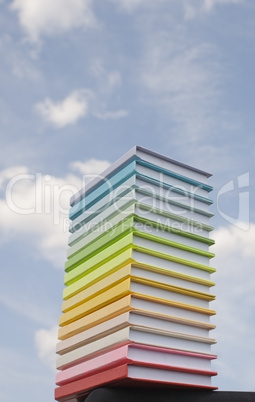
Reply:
x=134, y=375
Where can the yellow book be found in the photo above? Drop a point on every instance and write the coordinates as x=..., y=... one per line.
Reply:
x=139, y=317
x=138, y=334
x=95, y=303
x=101, y=270
x=133, y=302
x=97, y=259
x=149, y=245
x=96, y=281
x=183, y=298
x=98, y=316
x=93, y=288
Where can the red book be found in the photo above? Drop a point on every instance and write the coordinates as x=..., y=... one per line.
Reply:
x=136, y=374
x=145, y=354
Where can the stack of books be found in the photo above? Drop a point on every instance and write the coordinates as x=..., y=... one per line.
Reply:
x=136, y=303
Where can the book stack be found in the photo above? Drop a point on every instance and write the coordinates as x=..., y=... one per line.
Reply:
x=137, y=280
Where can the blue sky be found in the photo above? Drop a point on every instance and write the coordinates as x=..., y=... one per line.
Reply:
x=83, y=81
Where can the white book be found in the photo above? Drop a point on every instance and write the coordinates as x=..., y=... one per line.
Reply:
x=149, y=259
x=165, y=308
x=103, y=222
x=177, y=222
x=143, y=335
x=166, y=294
x=186, y=199
x=134, y=353
x=127, y=371
x=148, y=156
x=163, y=293
x=104, y=217
x=167, y=249
x=112, y=216
x=153, y=192
x=114, y=200
x=104, y=277
x=165, y=176
x=153, y=254
x=175, y=205
x=170, y=164
x=200, y=317
x=166, y=376
x=167, y=234
x=142, y=318
x=163, y=277
x=147, y=235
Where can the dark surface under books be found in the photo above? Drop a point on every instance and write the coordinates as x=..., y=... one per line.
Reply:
x=164, y=395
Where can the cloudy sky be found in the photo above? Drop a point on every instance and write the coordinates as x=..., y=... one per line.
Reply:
x=83, y=81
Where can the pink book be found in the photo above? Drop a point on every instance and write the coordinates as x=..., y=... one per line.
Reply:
x=134, y=375
x=170, y=359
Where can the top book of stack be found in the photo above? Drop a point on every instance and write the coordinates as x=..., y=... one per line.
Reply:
x=156, y=183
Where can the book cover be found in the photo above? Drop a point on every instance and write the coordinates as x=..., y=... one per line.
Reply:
x=183, y=298
x=142, y=154
x=141, y=260
x=134, y=375
x=139, y=334
x=104, y=184
x=98, y=280
x=146, y=202
x=135, y=352
x=143, y=318
x=133, y=302
x=144, y=229
x=146, y=214
x=149, y=247
x=135, y=189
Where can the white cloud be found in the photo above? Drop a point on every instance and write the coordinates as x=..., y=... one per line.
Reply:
x=35, y=207
x=235, y=306
x=46, y=341
x=38, y=205
x=17, y=60
x=47, y=17
x=81, y=103
x=90, y=167
x=210, y=4
x=9, y=173
x=68, y=111
x=182, y=80
x=237, y=240
x=200, y=7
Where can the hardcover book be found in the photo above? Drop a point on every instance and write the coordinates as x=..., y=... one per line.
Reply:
x=136, y=302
